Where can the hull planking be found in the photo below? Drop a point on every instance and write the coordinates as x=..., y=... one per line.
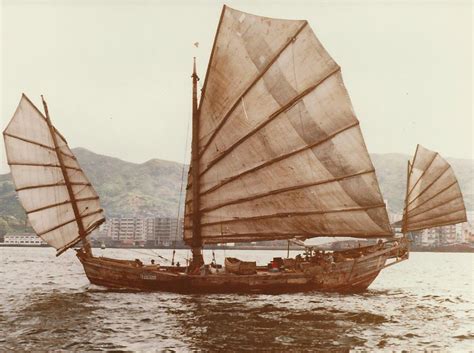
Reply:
x=348, y=276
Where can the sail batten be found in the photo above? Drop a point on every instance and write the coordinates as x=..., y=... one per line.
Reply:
x=249, y=87
x=43, y=165
x=420, y=193
x=62, y=203
x=421, y=176
x=51, y=186
x=281, y=151
x=435, y=198
x=267, y=121
x=286, y=155
x=292, y=214
x=48, y=186
x=29, y=141
x=70, y=221
x=287, y=189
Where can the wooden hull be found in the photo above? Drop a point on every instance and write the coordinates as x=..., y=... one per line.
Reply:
x=350, y=276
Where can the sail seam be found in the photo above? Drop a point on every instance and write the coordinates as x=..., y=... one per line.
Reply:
x=283, y=190
x=422, y=174
x=432, y=208
x=432, y=197
x=431, y=219
x=61, y=203
x=291, y=214
x=70, y=221
x=281, y=157
x=256, y=79
x=79, y=238
x=429, y=186
x=48, y=185
x=37, y=144
x=268, y=120
x=441, y=224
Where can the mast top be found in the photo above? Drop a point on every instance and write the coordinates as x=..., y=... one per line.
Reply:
x=194, y=75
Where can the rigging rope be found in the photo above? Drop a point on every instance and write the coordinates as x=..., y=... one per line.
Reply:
x=180, y=194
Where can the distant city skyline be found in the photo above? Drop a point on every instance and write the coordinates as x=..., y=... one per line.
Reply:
x=116, y=75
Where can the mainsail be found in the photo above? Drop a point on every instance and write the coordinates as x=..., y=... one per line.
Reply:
x=281, y=153
x=61, y=204
x=433, y=195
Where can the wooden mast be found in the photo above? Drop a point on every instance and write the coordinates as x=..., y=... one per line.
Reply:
x=405, y=212
x=196, y=245
x=72, y=197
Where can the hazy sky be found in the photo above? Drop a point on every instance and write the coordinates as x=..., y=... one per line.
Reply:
x=116, y=74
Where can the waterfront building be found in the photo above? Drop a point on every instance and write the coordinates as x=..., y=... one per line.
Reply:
x=23, y=239
x=152, y=231
x=165, y=231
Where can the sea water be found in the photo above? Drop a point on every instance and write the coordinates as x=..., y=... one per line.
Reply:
x=47, y=303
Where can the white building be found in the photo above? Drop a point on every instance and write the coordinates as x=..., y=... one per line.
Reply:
x=141, y=230
x=23, y=239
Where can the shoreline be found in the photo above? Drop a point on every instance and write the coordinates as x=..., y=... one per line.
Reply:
x=443, y=249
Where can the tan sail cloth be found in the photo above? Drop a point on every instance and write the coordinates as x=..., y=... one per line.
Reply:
x=40, y=183
x=433, y=194
x=281, y=151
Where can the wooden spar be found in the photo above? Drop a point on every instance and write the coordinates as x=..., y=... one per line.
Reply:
x=432, y=207
x=405, y=213
x=269, y=119
x=252, y=84
x=283, y=190
x=430, y=185
x=196, y=245
x=72, y=197
x=29, y=187
x=61, y=203
x=281, y=157
x=435, y=195
x=42, y=165
x=28, y=141
x=292, y=214
x=422, y=174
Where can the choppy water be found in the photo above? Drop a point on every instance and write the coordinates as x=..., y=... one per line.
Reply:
x=46, y=303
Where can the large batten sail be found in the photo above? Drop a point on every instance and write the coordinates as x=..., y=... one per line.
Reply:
x=38, y=161
x=433, y=195
x=281, y=154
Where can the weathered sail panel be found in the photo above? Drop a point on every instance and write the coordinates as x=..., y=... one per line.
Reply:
x=434, y=197
x=282, y=154
x=245, y=45
x=40, y=183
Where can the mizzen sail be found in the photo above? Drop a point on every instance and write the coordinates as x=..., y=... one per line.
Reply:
x=434, y=197
x=281, y=153
x=52, y=188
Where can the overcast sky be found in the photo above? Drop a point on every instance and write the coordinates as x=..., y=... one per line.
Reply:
x=116, y=74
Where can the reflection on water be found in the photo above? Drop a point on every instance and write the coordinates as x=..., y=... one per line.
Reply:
x=47, y=303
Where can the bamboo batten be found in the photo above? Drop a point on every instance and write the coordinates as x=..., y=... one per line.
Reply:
x=281, y=153
x=434, y=197
x=42, y=186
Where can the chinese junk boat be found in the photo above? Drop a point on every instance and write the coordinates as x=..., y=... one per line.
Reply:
x=277, y=153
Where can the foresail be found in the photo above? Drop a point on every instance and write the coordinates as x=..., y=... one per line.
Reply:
x=433, y=195
x=281, y=151
x=40, y=183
